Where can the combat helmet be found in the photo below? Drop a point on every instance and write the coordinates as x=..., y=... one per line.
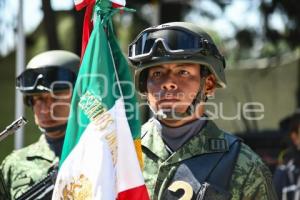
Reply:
x=175, y=42
x=50, y=71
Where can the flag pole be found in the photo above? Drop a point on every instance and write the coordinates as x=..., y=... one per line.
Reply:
x=20, y=63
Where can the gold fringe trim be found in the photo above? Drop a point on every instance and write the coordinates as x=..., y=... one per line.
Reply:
x=138, y=149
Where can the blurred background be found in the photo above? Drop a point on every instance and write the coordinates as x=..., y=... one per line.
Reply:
x=259, y=38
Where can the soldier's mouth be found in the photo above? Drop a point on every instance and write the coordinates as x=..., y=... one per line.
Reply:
x=47, y=122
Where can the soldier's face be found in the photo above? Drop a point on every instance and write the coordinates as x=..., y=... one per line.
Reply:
x=295, y=137
x=52, y=109
x=173, y=86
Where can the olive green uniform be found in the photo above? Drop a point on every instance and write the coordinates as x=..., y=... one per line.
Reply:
x=251, y=179
x=27, y=166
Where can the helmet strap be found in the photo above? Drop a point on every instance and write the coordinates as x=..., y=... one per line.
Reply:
x=200, y=97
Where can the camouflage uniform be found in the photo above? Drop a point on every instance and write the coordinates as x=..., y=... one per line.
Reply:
x=251, y=179
x=27, y=166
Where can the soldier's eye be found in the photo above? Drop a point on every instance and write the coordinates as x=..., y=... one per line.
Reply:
x=183, y=73
x=37, y=98
x=156, y=74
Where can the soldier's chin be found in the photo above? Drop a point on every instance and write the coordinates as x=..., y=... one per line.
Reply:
x=170, y=114
x=173, y=109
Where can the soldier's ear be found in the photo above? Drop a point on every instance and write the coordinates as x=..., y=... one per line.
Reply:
x=210, y=85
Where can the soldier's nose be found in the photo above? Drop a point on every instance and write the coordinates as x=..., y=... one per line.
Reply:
x=169, y=84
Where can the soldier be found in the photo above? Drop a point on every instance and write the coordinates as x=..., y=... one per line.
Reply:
x=186, y=156
x=287, y=174
x=47, y=86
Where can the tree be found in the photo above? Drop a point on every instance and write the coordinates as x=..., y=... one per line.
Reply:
x=50, y=25
x=290, y=11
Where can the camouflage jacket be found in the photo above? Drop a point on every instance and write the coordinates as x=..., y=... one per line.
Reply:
x=27, y=166
x=251, y=179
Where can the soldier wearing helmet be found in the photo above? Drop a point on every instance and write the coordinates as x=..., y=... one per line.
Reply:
x=186, y=156
x=47, y=85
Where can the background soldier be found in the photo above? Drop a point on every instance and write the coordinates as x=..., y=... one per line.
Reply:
x=47, y=85
x=185, y=154
x=287, y=175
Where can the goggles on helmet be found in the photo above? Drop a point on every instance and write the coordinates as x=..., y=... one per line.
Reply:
x=45, y=79
x=176, y=42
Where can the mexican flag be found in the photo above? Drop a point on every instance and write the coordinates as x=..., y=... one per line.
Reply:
x=88, y=22
x=99, y=158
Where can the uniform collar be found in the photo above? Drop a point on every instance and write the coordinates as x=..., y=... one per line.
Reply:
x=209, y=140
x=41, y=149
x=152, y=140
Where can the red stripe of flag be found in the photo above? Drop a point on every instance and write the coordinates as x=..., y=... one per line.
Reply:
x=137, y=193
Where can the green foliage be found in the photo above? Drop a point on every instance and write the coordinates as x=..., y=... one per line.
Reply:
x=290, y=11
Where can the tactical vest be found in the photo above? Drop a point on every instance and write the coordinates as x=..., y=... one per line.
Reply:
x=205, y=177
